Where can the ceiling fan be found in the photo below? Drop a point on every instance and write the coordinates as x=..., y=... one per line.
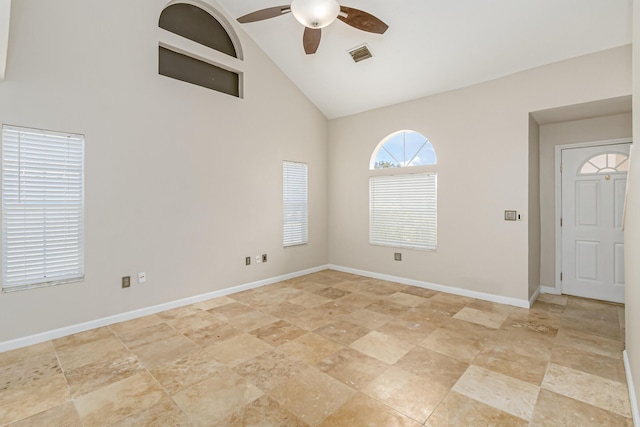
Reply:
x=317, y=14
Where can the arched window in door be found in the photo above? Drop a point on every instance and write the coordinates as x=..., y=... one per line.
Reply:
x=605, y=163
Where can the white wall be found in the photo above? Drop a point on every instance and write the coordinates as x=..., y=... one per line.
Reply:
x=570, y=132
x=632, y=226
x=481, y=137
x=181, y=182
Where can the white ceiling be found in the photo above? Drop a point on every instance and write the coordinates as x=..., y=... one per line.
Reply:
x=433, y=46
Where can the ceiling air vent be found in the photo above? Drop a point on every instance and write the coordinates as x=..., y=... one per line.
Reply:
x=360, y=53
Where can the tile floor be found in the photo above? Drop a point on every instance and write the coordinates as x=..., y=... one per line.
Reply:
x=331, y=349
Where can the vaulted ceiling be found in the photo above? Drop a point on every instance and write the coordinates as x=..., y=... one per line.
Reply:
x=432, y=46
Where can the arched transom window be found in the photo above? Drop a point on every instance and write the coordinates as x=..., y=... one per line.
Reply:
x=197, y=24
x=605, y=163
x=402, y=149
x=207, y=27
x=403, y=192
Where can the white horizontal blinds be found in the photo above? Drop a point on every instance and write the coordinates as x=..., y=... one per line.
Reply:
x=294, y=176
x=403, y=210
x=42, y=207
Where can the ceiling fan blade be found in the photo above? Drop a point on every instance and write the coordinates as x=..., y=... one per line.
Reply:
x=311, y=39
x=362, y=20
x=259, y=15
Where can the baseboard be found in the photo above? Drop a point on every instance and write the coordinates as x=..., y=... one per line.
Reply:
x=441, y=288
x=549, y=290
x=632, y=390
x=109, y=320
x=534, y=297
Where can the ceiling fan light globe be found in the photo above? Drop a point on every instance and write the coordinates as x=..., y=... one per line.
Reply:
x=315, y=13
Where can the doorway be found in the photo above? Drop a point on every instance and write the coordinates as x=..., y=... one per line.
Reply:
x=592, y=189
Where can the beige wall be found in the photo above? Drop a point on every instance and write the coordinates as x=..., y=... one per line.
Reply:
x=588, y=130
x=632, y=226
x=481, y=137
x=181, y=182
x=534, y=206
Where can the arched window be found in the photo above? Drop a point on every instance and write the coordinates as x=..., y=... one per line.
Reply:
x=605, y=163
x=210, y=29
x=402, y=149
x=403, y=201
x=196, y=24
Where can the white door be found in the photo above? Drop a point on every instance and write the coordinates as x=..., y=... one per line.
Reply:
x=593, y=187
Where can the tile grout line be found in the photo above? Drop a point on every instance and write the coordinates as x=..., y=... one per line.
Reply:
x=66, y=380
x=150, y=374
x=71, y=399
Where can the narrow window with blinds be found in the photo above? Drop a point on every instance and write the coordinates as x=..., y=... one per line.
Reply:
x=42, y=208
x=294, y=200
x=403, y=207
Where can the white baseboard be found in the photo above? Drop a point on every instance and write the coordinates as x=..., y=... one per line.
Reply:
x=109, y=320
x=534, y=297
x=549, y=290
x=632, y=390
x=441, y=288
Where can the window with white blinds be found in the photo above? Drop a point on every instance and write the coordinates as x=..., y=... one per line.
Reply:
x=294, y=191
x=42, y=208
x=403, y=210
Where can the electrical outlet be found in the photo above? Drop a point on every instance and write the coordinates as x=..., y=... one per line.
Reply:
x=126, y=281
x=142, y=277
x=397, y=256
x=247, y=260
x=264, y=257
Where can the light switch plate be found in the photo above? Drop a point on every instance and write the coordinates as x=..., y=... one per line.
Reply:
x=510, y=215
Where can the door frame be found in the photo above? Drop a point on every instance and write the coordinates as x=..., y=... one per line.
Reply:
x=558, y=200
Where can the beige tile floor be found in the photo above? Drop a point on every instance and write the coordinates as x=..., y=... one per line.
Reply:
x=331, y=349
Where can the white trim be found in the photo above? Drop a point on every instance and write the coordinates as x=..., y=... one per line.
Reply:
x=5, y=20
x=534, y=296
x=110, y=320
x=558, y=197
x=440, y=288
x=549, y=290
x=632, y=390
